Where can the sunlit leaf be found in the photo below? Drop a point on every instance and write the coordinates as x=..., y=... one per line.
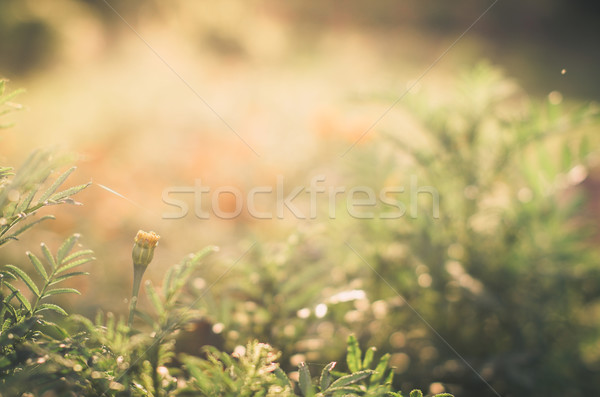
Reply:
x=58, y=279
x=19, y=296
x=368, y=358
x=38, y=265
x=77, y=254
x=326, y=377
x=57, y=291
x=353, y=357
x=48, y=256
x=380, y=369
x=74, y=264
x=26, y=279
x=51, y=306
x=69, y=192
x=66, y=247
x=305, y=382
x=59, y=181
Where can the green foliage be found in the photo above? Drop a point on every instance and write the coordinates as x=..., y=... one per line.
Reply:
x=267, y=290
x=57, y=266
x=504, y=274
x=253, y=371
x=22, y=194
x=26, y=333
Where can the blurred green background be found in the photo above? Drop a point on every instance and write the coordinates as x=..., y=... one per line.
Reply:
x=504, y=127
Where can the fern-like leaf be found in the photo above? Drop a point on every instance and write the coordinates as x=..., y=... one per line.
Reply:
x=57, y=291
x=54, y=187
x=66, y=247
x=38, y=265
x=26, y=279
x=51, y=306
x=48, y=256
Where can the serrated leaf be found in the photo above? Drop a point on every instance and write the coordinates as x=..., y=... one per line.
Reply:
x=38, y=265
x=353, y=356
x=77, y=255
x=67, y=276
x=24, y=205
x=19, y=296
x=48, y=256
x=51, y=306
x=69, y=192
x=304, y=381
x=30, y=225
x=416, y=393
x=326, y=377
x=282, y=377
x=75, y=264
x=380, y=369
x=443, y=395
x=352, y=378
x=368, y=357
x=66, y=247
x=26, y=279
x=59, y=181
x=57, y=291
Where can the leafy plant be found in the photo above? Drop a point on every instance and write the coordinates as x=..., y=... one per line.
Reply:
x=20, y=196
x=25, y=329
x=506, y=269
x=253, y=371
x=54, y=272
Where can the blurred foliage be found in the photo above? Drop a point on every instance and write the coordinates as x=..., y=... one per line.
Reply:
x=508, y=274
x=504, y=283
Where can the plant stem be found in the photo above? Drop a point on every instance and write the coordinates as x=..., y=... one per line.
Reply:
x=138, y=273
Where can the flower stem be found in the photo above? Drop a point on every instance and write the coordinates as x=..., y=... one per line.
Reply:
x=138, y=273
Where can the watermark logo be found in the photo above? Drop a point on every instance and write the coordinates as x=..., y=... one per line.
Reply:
x=302, y=202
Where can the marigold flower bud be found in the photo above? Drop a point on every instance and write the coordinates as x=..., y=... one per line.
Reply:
x=143, y=248
x=142, y=253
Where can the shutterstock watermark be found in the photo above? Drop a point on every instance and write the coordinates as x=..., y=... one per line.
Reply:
x=318, y=199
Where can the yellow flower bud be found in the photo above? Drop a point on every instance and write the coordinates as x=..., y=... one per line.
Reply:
x=143, y=248
x=142, y=253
